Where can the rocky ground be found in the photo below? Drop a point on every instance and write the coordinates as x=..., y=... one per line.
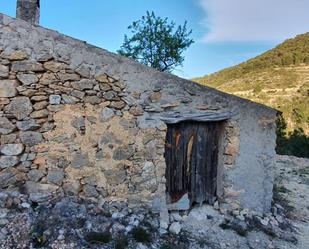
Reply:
x=72, y=223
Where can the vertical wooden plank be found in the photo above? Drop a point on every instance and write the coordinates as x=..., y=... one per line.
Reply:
x=209, y=162
x=176, y=161
x=200, y=169
x=206, y=163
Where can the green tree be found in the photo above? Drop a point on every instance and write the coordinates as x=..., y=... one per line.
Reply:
x=282, y=146
x=294, y=143
x=156, y=42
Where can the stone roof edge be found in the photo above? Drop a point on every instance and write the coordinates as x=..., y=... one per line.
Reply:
x=140, y=66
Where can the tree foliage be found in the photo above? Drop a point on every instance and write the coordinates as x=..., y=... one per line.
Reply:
x=156, y=42
x=294, y=143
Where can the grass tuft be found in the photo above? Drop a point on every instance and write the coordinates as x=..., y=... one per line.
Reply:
x=99, y=237
x=141, y=235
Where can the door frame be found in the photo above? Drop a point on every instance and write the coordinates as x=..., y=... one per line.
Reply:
x=220, y=173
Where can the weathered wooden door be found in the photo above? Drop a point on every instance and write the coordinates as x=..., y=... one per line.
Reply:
x=191, y=155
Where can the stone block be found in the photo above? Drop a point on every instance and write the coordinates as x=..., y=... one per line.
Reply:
x=232, y=148
x=107, y=114
x=8, y=161
x=34, y=187
x=35, y=175
x=69, y=99
x=47, y=127
x=109, y=95
x=104, y=87
x=27, y=79
x=91, y=92
x=83, y=71
x=54, y=66
x=80, y=160
x=10, y=177
x=38, y=98
x=175, y=216
x=72, y=188
x=40, y=105
x=12, y=149
x=136, y=110
x=4, y=101
x=27, y=125
x=44, y=56
x=77, y=94
x=55, y=176
x=6, y=126
x=19, y=107
x=23, y=66
x=123, y=152
x=94, y=100
x=175, y=228
x=117, y=104
x=83, y=84
x=54, y=99
x=48, y=78
x=8, y=139
x=16, y=55
x=40, y=114
x=30, y=138
x=102, y=78
x=4, y=71
x=90, y=191
x=40, y=197
x=68, y=77
x=8, y=88
x=78, y=123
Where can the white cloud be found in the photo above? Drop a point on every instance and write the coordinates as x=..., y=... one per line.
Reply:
x=254, y=20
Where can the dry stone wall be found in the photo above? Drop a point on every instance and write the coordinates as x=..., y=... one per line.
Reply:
x=78, y=120
x=63, y=133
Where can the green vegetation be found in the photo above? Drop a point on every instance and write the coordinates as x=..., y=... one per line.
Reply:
x=98, y=237
x=294, y=143
x=37, y=235
x=156, y=43
x=121, y=242
x=166, y=246
x=225, y=225
x=278, y=78
x=141, y=235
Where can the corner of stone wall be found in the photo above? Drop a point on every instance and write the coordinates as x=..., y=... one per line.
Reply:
x=231, y=144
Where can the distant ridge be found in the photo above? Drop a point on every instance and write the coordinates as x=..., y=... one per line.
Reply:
x=278, y=78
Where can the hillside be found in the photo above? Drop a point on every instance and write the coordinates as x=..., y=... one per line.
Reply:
x=278, y=78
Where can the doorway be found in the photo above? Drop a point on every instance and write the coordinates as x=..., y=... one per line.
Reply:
x=192, y=152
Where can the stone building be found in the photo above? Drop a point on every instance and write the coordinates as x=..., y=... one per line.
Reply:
x=78, y=120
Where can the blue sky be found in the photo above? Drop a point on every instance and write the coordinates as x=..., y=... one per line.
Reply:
x=226, y=32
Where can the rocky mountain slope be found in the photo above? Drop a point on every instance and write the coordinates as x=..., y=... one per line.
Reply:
x=278, y=78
